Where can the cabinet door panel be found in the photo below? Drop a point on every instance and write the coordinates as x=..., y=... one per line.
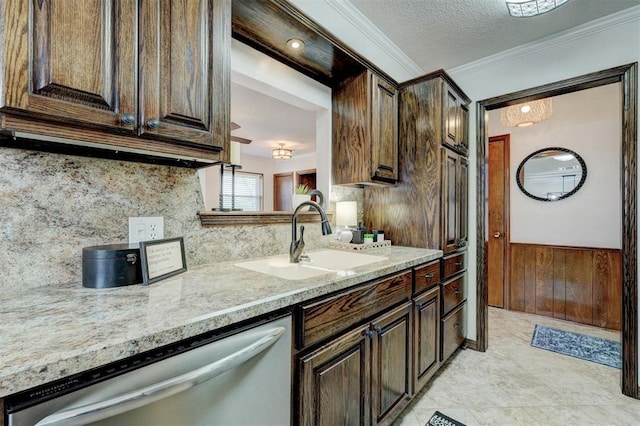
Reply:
x=334, y=382
x=451, y=117
x=426, y=343
x=181, y=40
x=450, y=193
x=384, y=130
x=391, y=363
x=463, y=203
x=82, y=63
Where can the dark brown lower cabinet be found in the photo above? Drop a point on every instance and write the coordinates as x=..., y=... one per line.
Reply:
x=453, y=331
x=361, y=377
x=334, y=380
x=426, y=337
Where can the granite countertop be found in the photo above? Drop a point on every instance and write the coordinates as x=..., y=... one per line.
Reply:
x=51, y=332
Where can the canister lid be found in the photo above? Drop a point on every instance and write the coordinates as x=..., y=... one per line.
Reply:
x=109, y=251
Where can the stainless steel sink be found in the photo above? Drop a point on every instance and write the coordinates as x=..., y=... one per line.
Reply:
x=320, y=262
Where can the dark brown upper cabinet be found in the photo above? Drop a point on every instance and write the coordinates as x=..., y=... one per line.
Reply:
x=455, y=117
x=150, y=75
x=454, y=202
x=365, y=131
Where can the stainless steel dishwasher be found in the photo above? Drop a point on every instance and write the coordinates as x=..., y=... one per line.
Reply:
x=238, y=378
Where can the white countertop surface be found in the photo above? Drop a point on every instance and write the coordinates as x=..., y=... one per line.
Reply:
x=54, y=331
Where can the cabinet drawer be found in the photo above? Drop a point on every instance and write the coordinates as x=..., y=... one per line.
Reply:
x=453, y=292
x=454, y=264
x=453, y=331
x=321, y=319
x=426, y=276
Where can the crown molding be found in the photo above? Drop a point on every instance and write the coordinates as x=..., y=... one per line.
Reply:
x=377, y=38
x=582, y=31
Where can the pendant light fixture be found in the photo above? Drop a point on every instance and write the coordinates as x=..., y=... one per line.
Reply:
x=528, y=8
x=526, y=114
x=281, y=153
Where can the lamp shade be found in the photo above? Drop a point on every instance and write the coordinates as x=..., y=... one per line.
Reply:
x=281, y=153
x=527, y=113
x=527, y=8
x=347, y=213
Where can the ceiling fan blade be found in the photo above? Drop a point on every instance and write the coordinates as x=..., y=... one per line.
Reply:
x=241, y=140
x=234, y=126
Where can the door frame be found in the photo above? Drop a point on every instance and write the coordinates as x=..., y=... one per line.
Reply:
x=506, y=210
x=627, y=76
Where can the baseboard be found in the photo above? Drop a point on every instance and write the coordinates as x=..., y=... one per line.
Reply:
x=470, y=344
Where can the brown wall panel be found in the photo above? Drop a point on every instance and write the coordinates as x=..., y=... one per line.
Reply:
x=579, y=288
x=517, y=278
x=559, y=263
x=544, y=281
x=530, y=279
x=577, y=284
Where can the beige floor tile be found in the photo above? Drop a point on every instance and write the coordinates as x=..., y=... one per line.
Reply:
x=514, y=383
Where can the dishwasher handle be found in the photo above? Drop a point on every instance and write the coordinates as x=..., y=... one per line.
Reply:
x=152, y=393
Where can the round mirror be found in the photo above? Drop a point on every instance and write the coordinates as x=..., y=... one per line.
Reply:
x=551, y=174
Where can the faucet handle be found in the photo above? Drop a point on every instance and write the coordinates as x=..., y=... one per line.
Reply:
x=301, y=240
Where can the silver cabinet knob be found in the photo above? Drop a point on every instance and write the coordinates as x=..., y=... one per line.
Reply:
x=153, y=123
x=128, y=118
x=497, y=234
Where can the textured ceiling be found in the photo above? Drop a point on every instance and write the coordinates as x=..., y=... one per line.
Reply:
x=445, y=34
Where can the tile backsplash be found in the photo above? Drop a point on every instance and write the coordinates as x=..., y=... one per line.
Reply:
x=54, y=205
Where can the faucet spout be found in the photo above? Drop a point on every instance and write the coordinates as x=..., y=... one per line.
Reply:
x=297, y=246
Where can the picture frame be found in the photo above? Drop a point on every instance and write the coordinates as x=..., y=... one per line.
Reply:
x=162, y=259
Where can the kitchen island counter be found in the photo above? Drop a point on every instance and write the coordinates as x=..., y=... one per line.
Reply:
x=52, y=332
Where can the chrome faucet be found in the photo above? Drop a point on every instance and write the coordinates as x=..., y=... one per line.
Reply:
x=297, y=246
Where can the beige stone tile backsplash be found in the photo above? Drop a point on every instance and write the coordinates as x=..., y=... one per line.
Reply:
x=51, y=206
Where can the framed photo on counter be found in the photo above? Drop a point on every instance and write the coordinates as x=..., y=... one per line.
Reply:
x=162, y=259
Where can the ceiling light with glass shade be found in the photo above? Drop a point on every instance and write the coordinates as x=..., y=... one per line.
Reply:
x=281, y=153
x=526, y=114
x=528, y=8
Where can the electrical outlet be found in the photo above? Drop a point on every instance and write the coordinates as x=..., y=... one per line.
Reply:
x=145, y=229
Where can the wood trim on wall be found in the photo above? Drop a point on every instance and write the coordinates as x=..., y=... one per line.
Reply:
x=579, y=284
x=627, y=76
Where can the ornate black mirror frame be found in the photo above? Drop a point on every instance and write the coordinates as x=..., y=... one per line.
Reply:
x=520, y=172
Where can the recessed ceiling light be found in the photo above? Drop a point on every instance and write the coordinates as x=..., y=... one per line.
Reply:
x=295, y=43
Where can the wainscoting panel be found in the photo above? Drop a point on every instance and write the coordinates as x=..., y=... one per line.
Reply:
x=574, y=283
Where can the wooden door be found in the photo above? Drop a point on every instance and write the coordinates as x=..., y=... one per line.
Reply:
x=335, y=382
x=426, y=337
x=184, y=58
x=498, y=210
x=71, y=61
x=384, y=130
x=282, y=191
x=449, y=203
x=391, y=364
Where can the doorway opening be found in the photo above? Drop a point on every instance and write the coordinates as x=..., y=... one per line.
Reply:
x=627, y=77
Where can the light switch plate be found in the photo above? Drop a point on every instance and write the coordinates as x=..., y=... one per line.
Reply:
x=145, y=229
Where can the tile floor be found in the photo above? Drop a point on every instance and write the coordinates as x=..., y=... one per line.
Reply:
x=515, y=384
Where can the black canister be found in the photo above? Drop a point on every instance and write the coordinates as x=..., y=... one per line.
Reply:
x=111, y=265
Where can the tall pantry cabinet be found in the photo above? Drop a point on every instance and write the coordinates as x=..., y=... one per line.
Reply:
x=429, y=205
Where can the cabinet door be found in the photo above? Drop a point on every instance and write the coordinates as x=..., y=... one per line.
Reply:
x=463, y=129
x=184, y=57
x=335, y=382
x=391, y=364
x=71, y=61
x=453, y=331
x=384, y=130
x=450, y=115
x=455, y=114
x=450, y=193
x=426, y=338
x=463, y=201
